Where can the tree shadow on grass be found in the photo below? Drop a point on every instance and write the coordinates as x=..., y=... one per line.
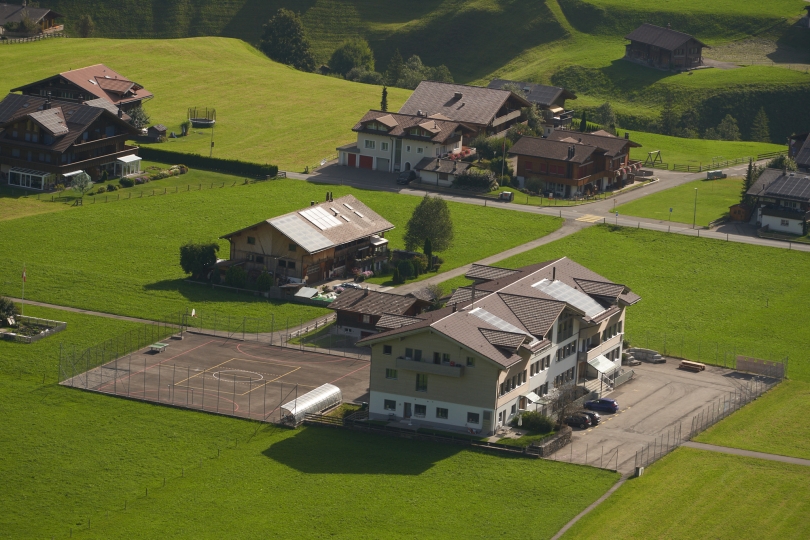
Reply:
x=318, y=450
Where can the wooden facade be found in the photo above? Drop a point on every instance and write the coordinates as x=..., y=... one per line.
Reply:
x=664, y=48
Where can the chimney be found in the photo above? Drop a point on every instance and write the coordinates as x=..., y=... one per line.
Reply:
x=458, y=95
x=571, y=152
x=120, y=113
x=784, y=170
x=454, y=308
x=327, y=196
x=47, y=104
x=365, y=292
x=312, y=203
x=627, y=135
x=553, y=273
x=419, y=112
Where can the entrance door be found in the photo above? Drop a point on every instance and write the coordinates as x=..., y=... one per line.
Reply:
x=366, y=162
x=407, y=411
x=352, y=160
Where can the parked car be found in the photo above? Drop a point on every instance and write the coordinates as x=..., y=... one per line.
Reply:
x=595, y=418
x=406, y=177
x=350, y=285
x=578, y=420
x=606, y=405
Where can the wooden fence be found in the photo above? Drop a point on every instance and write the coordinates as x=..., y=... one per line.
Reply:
x=38, y=37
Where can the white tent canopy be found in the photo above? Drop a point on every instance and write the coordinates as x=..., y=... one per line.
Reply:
x=314, y=401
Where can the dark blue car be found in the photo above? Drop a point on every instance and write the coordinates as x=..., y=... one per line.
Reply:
x=605, y=405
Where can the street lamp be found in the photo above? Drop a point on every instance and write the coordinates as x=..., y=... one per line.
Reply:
x=694, y=214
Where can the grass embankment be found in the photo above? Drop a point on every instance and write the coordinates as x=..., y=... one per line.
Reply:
x=75, y=460
x=124, y=258
x=714, y=197
x=266, y=112
x=697, y=293
x=696, y=494
x=680, y=151
x=772, y=424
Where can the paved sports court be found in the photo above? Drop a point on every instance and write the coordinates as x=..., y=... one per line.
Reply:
x=215, y=374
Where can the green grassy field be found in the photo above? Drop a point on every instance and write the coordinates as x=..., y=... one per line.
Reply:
x=125, y=258
x=696, y=494
x=680, y=151
x=696, y=293
x=713, y=200
x=265, y=111
x=73, y=460
x=771, y=424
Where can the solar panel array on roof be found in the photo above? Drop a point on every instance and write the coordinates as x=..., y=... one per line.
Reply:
x=793, y=187
x=320, y=218
x=301, y=233
x=571, y=296
x=499, y=323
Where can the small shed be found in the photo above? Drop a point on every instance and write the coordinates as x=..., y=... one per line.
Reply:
x=313, y=402
x=440, y=172
x=739, y=212
x=156, y=131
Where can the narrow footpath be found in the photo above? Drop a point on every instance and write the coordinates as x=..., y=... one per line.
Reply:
x=747, y=453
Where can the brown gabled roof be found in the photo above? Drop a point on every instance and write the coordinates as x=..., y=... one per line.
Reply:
x=482, y=272
x=541, y=94
x=15, y=13
x=477, y=105
x=600, y=288
x=664, y=38
x=613, y=146
x=550, y=149
x=94, y=79
x=792, y=186
x=389, y=321
x=803, y=155
x=346, y=220
x=464, y=294
x=398, y=125
x=519, y=310
x=368, y=302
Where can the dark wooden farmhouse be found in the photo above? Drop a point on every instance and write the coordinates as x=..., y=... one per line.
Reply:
x=88, y=83
x=663, y=48
x=362, y=312
x=800, y=151
x=13, y=15
x=547, y=98
x=45, y=142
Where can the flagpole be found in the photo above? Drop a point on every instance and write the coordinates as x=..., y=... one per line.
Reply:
x=22, y=306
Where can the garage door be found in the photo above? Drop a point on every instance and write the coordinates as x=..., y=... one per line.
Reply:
x=383, y=164
x=366, y=162
x=352, y=160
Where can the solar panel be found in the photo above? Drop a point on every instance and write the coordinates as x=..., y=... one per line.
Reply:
x=302, y=234
x=794, y=187
x=320, y=218
x=499, y=323
x=565, y=293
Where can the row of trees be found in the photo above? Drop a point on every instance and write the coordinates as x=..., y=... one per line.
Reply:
x=284, y=40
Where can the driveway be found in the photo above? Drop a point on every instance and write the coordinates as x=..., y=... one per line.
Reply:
x=658, y=402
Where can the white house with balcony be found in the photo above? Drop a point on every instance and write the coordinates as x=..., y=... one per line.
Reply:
x=499, y=347
x=393, y=142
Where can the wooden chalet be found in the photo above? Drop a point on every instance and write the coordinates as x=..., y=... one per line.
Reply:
x=11, y=15
x=362, y=312
x=89, y=83
x=663, y=48
x=547, y=98
x=570, y=164
x=323, y=241
x=45, y=142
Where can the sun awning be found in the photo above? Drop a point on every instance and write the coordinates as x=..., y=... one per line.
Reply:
x=557, y=110
x=29, y=172
x=72, y=174
x=602, y=364
x=128, y=159
x=531, y=396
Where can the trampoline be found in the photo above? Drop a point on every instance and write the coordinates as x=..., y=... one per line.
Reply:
x=202, y=117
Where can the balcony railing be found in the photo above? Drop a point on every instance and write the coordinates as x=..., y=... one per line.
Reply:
x=446, y=370
x=601, y=348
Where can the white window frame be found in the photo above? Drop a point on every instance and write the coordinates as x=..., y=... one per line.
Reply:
x=384, y=146
x=370, y=144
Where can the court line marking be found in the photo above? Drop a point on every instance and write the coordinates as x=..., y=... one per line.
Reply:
x=343, y=359
x=201, y=372
x=355, y=371
x=157, y=364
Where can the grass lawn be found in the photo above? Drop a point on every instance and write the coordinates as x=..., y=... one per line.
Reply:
x=679, y=151
x=713, y=200
x=696, y=293
x=72, y=459
x=696, y=494
x=125, y=257
x=264, y=109
x=772, y=424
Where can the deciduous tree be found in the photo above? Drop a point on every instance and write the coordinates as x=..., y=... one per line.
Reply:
x=430, y=219
x=85, y=26
x=198, y=259
x=284, y=41
x=355, y=53
x=728, y=129
x=81, y=183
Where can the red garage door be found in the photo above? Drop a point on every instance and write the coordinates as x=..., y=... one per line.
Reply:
x=366, y=162
x=352, y=160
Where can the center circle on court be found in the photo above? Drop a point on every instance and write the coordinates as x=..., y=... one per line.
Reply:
x=239, y=376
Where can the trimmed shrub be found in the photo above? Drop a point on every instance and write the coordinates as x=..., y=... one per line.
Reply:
x=126, y=182
x=112, y=187
x=405, y=268
x=476, y=178
x=232, y=166
x=197, y=259
x=397, y=279
x=535, y=422
x=236, y=277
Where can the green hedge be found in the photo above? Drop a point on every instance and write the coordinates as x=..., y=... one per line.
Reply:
x=196, y=161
